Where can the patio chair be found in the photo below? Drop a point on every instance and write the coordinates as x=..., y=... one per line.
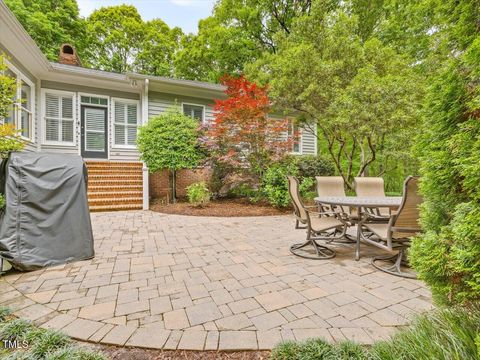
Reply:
x=319, y=225
x=331, y=186
x=395, y=235
x=372, y=187
x=335, y=186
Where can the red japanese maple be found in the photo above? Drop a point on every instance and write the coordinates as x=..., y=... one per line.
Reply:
x=242, y=135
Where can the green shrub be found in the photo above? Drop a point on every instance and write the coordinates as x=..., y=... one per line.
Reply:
x=242, y=190
x=3, y=201
x=446, y=254
x=311, y=166
x=170, y=141
x=198, y=194
x=274, y=185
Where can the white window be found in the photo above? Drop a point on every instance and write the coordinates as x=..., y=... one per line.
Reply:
x=125, y=122
x=22, y=110
x=194, y=111
x=294, y=133
x=59, y=117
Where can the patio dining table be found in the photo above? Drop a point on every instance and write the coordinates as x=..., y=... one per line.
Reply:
x=360, y=203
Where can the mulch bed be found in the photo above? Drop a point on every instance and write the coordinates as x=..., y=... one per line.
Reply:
x=221, y=208
x=122, y=353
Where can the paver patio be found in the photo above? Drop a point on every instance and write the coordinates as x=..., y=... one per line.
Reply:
x=204, y=283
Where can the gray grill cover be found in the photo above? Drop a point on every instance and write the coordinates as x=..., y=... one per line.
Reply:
x=46, y=220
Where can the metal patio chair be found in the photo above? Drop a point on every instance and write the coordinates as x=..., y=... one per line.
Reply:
x=320, y=225
x=395, y=235
x=335, y=186
x=332, y=186
x=372, y=187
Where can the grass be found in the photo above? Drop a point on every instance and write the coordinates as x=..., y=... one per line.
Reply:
x=443, y=334
x=42, y=344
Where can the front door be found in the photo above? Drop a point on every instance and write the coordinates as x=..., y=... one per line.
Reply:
x=94, y=132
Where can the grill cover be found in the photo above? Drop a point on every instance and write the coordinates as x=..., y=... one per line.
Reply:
x=46, y=220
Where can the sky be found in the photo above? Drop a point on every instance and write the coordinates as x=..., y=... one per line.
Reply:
x=182, y=13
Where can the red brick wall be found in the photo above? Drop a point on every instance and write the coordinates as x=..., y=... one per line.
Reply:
x=159, y=185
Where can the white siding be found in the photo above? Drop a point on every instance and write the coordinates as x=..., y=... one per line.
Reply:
x=159, y=102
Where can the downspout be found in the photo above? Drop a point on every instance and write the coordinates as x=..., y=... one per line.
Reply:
x=146, y=194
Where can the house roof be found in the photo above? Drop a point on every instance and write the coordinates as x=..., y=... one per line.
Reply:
x=24, y=48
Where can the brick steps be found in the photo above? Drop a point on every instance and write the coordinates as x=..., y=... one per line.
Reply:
x=108, y=194
x=114, y=186
x=112, y=207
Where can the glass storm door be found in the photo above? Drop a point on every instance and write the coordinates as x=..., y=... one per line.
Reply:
x=94, y=132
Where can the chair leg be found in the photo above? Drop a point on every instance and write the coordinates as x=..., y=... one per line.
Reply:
x=396, y=268
x=322, y=252
x=297, y=225
x=343, y=238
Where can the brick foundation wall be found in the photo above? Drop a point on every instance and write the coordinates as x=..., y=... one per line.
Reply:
x=159, y=184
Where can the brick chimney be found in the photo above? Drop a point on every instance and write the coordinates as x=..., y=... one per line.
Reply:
x=68, y=55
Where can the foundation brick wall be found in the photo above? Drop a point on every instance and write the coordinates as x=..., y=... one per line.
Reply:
x=159, y=184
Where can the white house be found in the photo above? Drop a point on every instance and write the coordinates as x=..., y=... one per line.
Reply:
x=93, y=113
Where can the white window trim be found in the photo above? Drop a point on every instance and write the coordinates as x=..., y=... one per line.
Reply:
x=18, y=105
x=112, y=117
x=44, y=123
x=80, y=94
x=199, y=105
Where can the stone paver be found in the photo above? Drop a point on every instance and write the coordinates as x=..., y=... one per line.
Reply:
x=199, y=283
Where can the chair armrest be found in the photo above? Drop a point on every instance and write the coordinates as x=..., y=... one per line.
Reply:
x=318, y=212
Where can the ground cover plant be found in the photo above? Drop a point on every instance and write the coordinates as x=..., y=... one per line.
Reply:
x=33, y=343
x=442, y=334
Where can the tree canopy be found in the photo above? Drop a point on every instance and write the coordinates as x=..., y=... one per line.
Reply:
x=242, y=136
x=51, y=23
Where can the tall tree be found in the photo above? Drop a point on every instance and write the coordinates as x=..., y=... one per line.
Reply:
x=115, y=35
x=50, y=23
x=216, y=50
x=359, y=93
x=158, y=49
x=238, y=33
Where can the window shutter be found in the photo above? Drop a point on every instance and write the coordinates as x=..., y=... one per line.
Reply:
x=132, y=114
x=52, y=108
x=52, y=118
x=119, y=112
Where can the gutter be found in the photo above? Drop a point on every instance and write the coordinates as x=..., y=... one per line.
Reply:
x=191, y=83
